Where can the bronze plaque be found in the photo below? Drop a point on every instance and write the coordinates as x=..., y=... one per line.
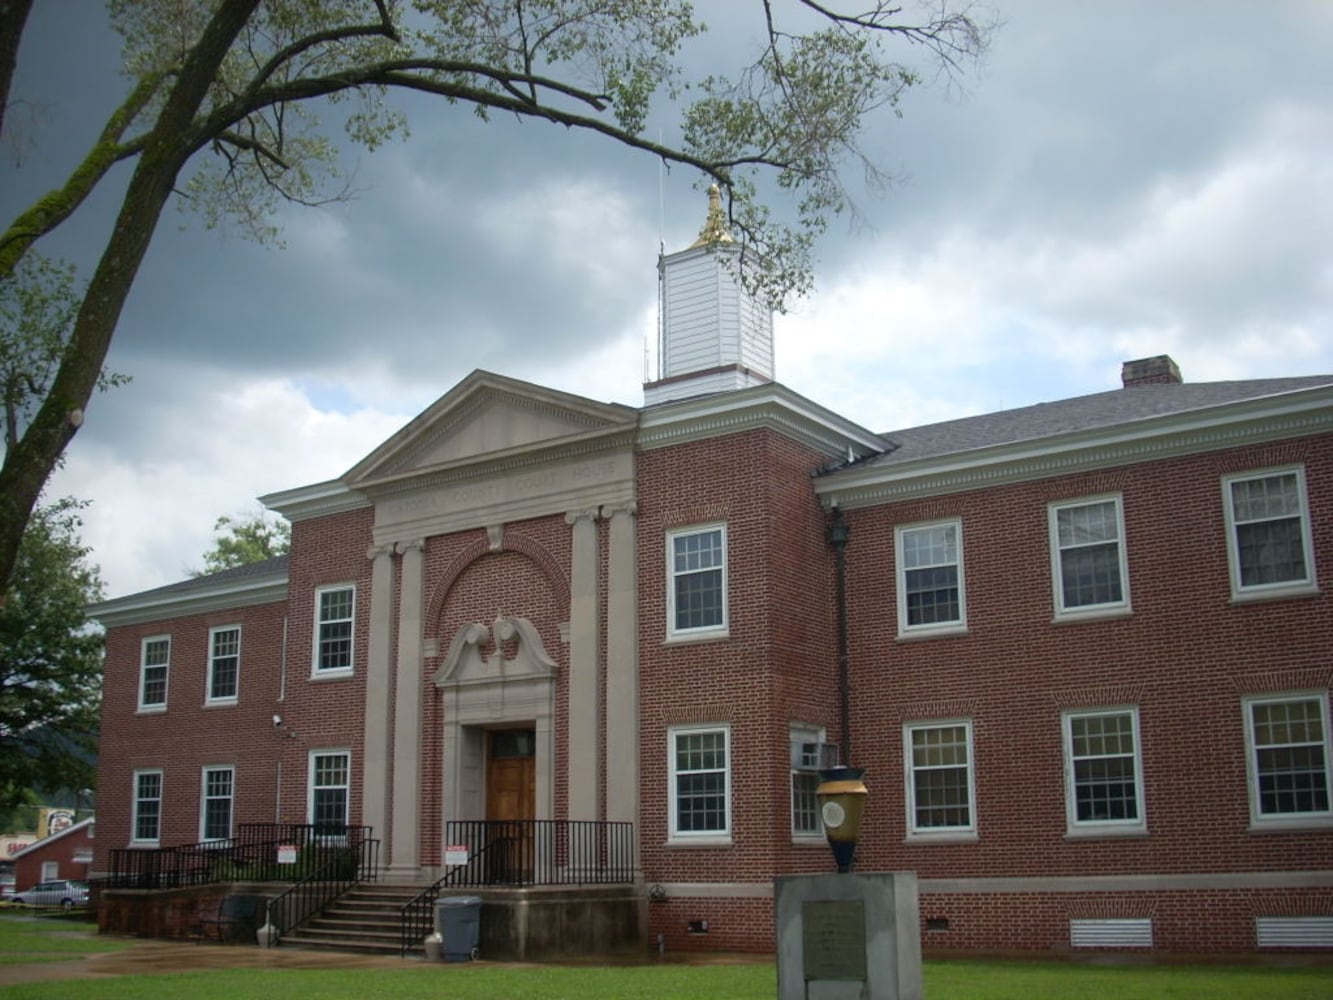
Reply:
x=834, y=939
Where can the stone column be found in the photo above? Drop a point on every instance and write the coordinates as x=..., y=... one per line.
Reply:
x=584, y=704
x=376, y=766
x=404, y=845
x=622, y=672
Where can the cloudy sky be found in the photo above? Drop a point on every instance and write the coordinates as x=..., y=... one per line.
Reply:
x=1117, y=180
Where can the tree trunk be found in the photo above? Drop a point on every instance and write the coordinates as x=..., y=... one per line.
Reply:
x=13, y=17
x=29, y=464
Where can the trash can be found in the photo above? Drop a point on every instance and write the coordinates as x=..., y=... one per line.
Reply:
x=458, y=922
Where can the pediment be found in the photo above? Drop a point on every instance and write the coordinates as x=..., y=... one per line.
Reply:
x=488, y=416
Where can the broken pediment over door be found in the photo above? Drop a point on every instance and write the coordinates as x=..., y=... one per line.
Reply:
x=487, y=417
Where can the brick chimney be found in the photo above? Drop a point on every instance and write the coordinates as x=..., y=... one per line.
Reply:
x=1160, y=370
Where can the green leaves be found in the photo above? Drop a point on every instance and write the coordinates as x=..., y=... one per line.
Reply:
x=241, y=541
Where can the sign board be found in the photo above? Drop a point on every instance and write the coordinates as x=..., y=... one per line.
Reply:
x=83, y=856
x=455, y=854
x=286, y=854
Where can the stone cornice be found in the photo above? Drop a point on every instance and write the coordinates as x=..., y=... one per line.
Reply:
x=156, y=606
x=1231, y=426
x=772, y=406
x=305, y=502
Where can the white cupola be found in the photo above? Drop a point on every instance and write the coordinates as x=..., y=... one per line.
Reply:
x=713, y=336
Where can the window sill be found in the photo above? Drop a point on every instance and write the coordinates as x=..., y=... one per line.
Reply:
x=946, y=837
x=222, y=703
x=705, y=842
x=1092, y=615
x=1107, y=833
x=809, y=840
x=1275, y=594
x=1301, y=824
x=686, y=638
x=144, y=845
x=150, y=709
x=332, y=675
x=933, y=633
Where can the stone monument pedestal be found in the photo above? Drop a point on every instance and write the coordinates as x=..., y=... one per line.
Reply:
x=848, y=937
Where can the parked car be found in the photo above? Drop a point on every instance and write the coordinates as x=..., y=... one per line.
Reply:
x=55, y=892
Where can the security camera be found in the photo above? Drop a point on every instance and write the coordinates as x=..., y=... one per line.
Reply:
x=277, y=721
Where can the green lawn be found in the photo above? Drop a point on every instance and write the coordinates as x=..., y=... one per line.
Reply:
x=32, y=939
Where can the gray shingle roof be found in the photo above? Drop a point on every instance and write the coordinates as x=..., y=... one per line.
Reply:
x=1117, y=407
x=226, y=577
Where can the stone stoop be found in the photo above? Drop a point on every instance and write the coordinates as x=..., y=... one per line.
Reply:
x=365, y=919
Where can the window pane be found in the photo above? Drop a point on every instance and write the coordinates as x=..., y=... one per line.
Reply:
x=697, y=570
x=804, y=807
x=701, y=781
x=1290, y=764
x=932, y=595
x=941, y=777
x=1270, y=552
x=217, y=804
x=225, y=665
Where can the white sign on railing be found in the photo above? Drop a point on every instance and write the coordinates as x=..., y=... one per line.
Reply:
x=455, y=854
x=286, y=854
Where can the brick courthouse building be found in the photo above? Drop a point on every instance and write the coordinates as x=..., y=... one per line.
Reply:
x=1088, y=643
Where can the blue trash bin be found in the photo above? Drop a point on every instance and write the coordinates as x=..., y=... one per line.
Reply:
x=458, y=922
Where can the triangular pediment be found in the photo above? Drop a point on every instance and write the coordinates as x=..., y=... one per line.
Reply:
x=485, y=417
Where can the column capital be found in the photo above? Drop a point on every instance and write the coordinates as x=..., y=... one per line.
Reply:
x=411, y=545
x=575, y=516
x=628, y=509
x=373, y=552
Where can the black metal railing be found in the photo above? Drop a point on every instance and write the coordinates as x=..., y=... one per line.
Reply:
x=517, y=853
x=260, y=852
x=343, y=863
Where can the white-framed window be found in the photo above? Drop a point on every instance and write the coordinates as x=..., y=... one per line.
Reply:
x=700, y=782
x=154, y=664
x=697, y=581
x=1103, y=768
x=930, y=577
x=330, y=792
x=940, y=786
x=1287, y=755
x=217, y=791
x=1088, y=565
x=147, y=819
x=1269, y=545
x=224, y=664
x=335, y=613
x=809, y=753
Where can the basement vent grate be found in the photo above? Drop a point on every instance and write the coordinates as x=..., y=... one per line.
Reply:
x=1131, y=932
x=1294, y=932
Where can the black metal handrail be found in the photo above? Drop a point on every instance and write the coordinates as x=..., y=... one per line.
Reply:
x=524, y=853
x=258, y=853
x=347, y=861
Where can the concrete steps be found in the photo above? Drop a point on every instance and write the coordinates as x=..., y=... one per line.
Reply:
x=365, y=919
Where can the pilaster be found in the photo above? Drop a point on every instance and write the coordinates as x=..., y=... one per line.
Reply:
x=622, y=667
x=405, y=847
x=376, y=766
x=584, y=785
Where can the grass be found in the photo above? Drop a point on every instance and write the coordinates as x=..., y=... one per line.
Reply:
x=26, y=936
x=33, y=938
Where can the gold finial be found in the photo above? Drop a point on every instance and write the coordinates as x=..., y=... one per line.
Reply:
x=715, y=226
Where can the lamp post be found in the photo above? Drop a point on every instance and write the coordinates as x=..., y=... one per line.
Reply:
x=842, y=798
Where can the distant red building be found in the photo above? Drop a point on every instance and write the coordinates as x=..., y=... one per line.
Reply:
x=1087, y=647
x=66, y=854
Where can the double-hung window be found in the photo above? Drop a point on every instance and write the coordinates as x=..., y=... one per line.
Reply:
x=147, y=819
x=930, y=577
x=219, y=786
x=224, y=664
x=700, y=780
x=154, y=663
x=1287, y=740
x=330, y=791
x=1103, y=788
x=940, y=787
x=809, y=753
x=1268, y=533
x=697, y=581
x=1088, y=557
x=335, y=610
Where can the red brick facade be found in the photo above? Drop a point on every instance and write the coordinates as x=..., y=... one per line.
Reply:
x=1019, y=871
